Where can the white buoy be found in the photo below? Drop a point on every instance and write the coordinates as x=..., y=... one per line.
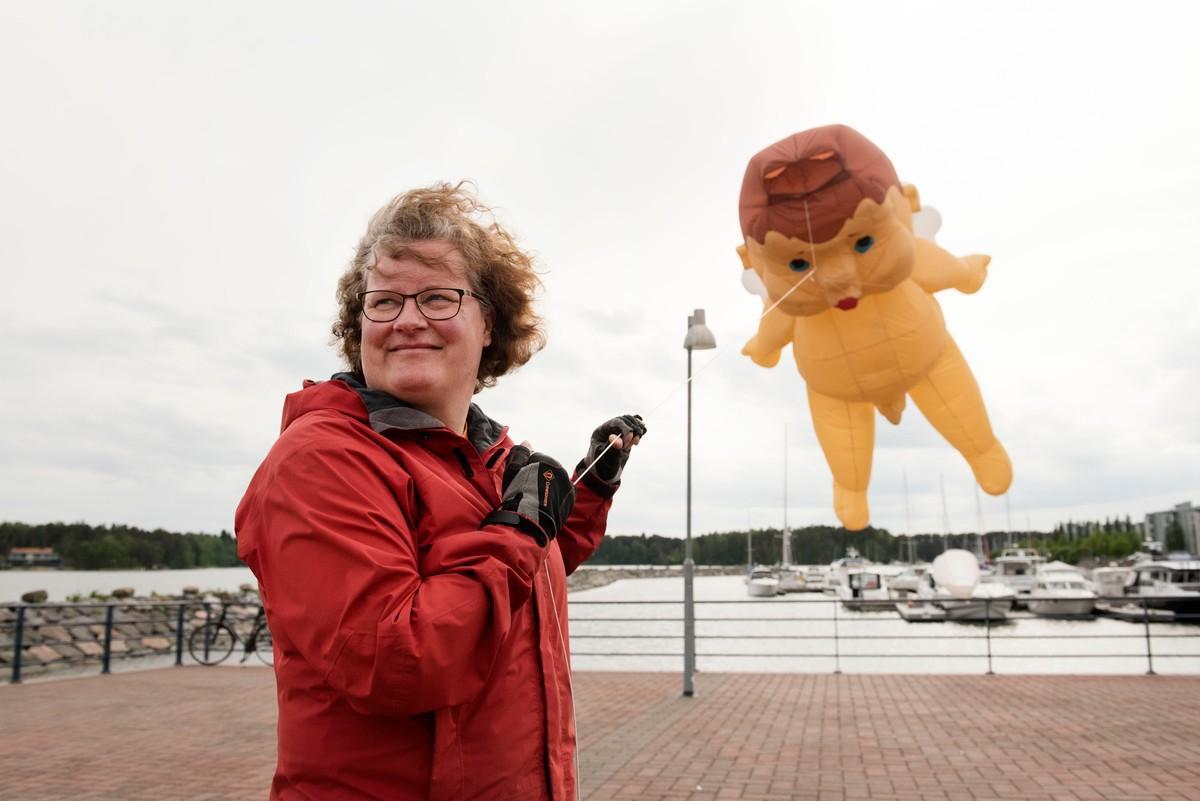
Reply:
x=957, y=571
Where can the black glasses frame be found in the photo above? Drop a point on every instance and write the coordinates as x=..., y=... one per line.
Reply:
x=462, y=293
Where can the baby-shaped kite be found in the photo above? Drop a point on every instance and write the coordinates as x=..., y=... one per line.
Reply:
x=828, y=231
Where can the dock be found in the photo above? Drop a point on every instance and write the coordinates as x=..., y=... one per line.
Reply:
x=203, y=734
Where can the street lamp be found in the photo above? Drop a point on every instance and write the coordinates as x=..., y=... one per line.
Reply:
x=698, y=338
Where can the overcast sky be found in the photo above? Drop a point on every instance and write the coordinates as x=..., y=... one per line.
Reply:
x=182, y=184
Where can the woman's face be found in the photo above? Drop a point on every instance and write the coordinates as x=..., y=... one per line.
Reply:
x=429, y=364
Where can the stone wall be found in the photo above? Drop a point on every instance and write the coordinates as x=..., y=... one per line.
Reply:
x=65, y=638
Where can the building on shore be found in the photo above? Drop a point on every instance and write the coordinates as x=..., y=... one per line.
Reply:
x=1187, y=517
x=33, y=557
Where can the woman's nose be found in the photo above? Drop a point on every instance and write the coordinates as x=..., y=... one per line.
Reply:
x=410, y=317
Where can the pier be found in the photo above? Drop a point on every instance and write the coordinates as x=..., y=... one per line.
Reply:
x=208, y=734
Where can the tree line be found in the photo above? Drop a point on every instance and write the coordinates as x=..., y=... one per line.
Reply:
x=87, y=547
x=813, y=545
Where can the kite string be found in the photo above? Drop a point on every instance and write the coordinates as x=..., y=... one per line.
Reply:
x=709, y=363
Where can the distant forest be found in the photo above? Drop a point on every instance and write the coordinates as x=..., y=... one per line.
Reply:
x=86, y=547
x=812, y=545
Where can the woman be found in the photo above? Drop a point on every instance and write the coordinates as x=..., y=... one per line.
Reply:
x=411, y=560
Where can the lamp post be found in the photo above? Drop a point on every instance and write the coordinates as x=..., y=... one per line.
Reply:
x=698, y=338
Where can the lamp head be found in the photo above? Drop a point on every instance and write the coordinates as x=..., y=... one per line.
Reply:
x=698, y=336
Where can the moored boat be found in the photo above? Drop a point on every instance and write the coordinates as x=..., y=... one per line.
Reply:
x=762, y=583
x=864, y=587
x=1170, y=584
x=988, y=600
x=1061, y=593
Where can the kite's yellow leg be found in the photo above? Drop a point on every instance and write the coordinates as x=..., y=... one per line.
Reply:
x=949, y=398
x=846, y=431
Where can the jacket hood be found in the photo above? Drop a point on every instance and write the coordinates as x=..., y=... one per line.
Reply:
x=346, y=394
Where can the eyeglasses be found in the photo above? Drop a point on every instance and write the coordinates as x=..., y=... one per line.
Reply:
x=440, y=303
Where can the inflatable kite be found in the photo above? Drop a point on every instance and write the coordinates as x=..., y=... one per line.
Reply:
x=830, y=245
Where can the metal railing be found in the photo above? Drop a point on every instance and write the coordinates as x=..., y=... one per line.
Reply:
x=831, y=629
x=106, y=615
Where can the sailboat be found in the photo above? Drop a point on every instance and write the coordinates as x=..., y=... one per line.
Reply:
x=791, y=579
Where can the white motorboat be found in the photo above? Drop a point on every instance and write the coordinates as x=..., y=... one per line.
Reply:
x=908, y=580
x=1172, y=584
x=814, y=578
x=989, y=600
x=791, y=578
x=762, y=583
x=1061, y=593
x=1017, y=568
x=865, y=587
x=1109, y=582
x=836, y=575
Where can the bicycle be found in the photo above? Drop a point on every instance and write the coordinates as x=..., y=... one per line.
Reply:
x=211, y=643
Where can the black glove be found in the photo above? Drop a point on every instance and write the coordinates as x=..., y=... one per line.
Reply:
x=609, y=468
x=538, y=496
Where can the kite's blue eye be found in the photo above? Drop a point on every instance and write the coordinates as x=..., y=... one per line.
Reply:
x=864, y=244
x=798, y=265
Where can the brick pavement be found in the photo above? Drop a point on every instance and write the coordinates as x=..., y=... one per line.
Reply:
x=203, y=734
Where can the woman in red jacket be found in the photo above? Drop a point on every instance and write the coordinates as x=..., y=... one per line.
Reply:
x=411, y=559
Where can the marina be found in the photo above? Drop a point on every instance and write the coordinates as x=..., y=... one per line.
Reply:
x=636, y=625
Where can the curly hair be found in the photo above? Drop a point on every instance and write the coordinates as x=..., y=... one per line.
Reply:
x=496, y=268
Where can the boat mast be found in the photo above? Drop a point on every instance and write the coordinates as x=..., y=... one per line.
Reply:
x=787, y=534
x=979, y=521
x=908, y=521
x=945, y=514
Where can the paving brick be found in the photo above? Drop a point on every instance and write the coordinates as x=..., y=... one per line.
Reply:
x=198, y=733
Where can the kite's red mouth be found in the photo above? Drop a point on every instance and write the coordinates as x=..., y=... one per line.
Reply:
x=846, y=304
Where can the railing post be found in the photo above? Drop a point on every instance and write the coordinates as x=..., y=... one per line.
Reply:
x=108, y=626
x=1149, y=653
x=837, y=660
x=17, y=637
x=987, y=617
x=179, y=635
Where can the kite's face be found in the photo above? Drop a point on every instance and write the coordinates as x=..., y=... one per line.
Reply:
x=872, y=253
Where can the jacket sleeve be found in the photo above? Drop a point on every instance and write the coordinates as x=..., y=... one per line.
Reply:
x=392, y=630
x=580, y=536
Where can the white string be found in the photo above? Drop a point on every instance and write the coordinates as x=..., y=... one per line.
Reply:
x=709, y=363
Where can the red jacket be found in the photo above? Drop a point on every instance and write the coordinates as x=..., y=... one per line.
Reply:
x=417, y=655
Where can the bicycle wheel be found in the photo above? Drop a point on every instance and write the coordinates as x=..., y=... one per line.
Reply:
x=211, y=643
x=264, y=647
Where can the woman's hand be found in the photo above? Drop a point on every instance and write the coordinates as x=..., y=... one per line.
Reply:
x=622, y=433
x=538, y=495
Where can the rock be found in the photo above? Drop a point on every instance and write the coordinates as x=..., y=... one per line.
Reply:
x=35, y=597
x=248, y=588
x=90, y=648
x=157, y=643
x=118, y=647
x=98, y=630
x=190, y=591
x=57, y=633
x=43, y=653
x=123, y=592
x=67, y=651
x=83, y=633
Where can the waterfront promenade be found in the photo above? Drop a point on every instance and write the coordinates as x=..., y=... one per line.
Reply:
x=207, y=734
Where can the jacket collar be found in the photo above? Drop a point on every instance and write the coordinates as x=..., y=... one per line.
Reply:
x=388, y=413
